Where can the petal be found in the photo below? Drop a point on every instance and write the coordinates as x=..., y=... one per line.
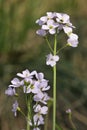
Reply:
x=45, y=27
x=65, y=18
x=44, y=18
x=41, y=32
x=50, y=22
x=67, y=29
x=56, y=58
x=52, y=31
x=44, y=110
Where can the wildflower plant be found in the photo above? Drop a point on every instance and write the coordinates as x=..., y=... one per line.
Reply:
x=33, y=84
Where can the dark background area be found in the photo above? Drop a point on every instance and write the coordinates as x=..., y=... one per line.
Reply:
x=21, y=48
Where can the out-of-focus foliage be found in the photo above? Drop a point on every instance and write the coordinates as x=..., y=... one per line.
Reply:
x=21, y=48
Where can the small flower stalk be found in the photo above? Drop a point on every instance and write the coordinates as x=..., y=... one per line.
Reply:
x=69, y=112
x=33, y=84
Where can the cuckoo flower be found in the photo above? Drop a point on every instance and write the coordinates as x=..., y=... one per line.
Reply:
x=34, y=86
x=42, y=110
x=15, y=108
x=51, y=59
x=15, y=83
x=68, y=111
x=41, y=32
x=41, y=97
x=38, y=118
x=50, y=26
x=10, y=91
x=73, y=40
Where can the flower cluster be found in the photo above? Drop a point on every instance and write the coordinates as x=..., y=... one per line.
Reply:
x=34, y=84
x=53, y=23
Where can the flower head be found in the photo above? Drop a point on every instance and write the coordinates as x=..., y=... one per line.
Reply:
x=54, y=22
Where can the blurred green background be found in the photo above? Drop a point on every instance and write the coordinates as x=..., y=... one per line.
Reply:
x=21, y=48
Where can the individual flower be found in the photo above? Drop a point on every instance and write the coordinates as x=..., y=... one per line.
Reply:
x=68, y=111
x=38, y=119
x=41, y=97
x=44, y=86
x=73, y=40
x=50, y=26
x=24, y=74
x=39, y=76
x=41, y=32
x=41, y=110
x=52, y=59
x=15, y=83
x=62, y=18
x=15, y=108
x=40, y=22
x=32, y=88
x=67, y=29
x=44, y=19
x=64, y=22
x=10, y=91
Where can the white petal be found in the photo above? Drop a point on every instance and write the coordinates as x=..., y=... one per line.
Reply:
x=45, y=27
x=56, y=58
x=52, y=31
x=41, y=32
x=50, y=22
x=44, y=18
x=44, y=110
x=67, y=29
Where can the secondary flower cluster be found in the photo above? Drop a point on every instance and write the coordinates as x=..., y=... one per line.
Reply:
x=53, y=23
x=34, y=84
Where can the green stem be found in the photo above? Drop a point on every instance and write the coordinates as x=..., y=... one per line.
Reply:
x=28, y=113
x=70, y=119
x=62, y=48
x=46, y=122
x=54, y=88
x=49, y=44
x=21, y=112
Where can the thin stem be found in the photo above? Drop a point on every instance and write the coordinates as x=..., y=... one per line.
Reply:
x=70, y=119
x=62, y=48
x=46, y=122
x=21, y=112
x=54, y=88
x=28, y=113
x=49, y=44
